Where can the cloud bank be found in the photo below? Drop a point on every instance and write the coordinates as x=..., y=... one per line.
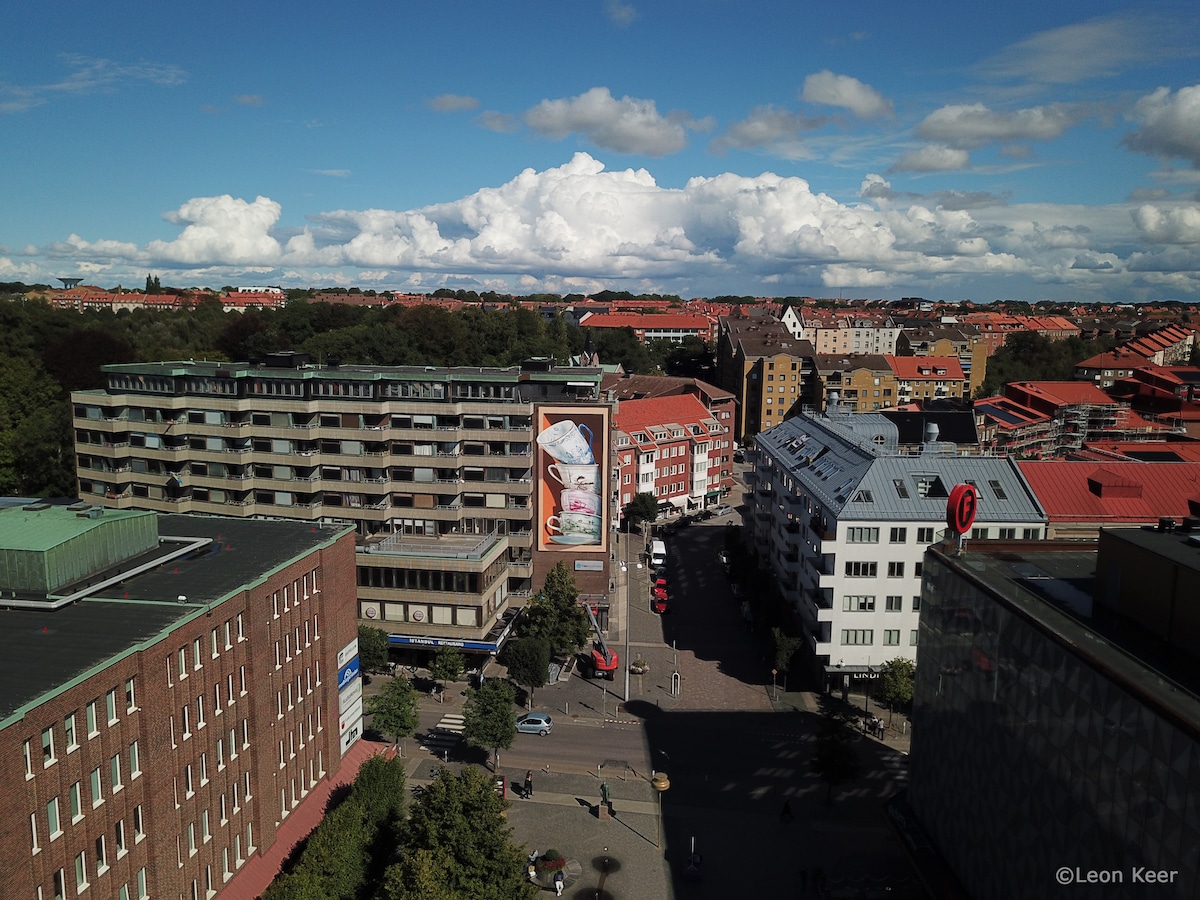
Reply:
x=583, y=226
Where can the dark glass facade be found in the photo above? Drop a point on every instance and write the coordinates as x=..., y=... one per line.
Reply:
x=1043, y=755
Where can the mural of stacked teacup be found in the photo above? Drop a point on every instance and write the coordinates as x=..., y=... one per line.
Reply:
x=574, y=514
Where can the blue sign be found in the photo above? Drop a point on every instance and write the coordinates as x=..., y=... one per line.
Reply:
x=348, y=673
x=486, y=646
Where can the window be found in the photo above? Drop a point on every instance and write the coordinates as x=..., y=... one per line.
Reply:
x=183, y=672
x=75, y=795
x=862, y=569
x=138, y=832
x=1008, y=534
x=997, y=489
x=242, y=680
x=899, y=536
x=141, y=884
x=52, y=823
x=916, y=604
x=101, y=856
x=130, y=699
x=912, y=638
x=901, y=488
x=81, y=881
x=925, y=536
x=196, y=654
x=857, y=636
x=48, y=758
x=862, y=535
x=60, y=885
x=188, y=787
x=1031, y=534
x=110, y=705
x=33, y=830
x=979, y=534
x=205, y=833
x=918, y=569
x=187, y=722
x=241, y=636
x=97, y=788
x=895, y=570
x=69, y=733
x=28, y=760
x=119, y=838
x=212, y=650
x=856, y=603
x=891, y=637
x=200, y=712
x=203, y=768
x=894, y=603
x=92, y=718
x=114, y=766
x=191, y=838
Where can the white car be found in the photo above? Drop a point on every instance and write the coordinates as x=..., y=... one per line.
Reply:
x=723, y=510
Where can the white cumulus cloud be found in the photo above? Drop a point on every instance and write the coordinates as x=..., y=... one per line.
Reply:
x=768, y=128
x=222, y=229
x=628, y=125
x=1169, y=124
x=830, y=89
x=1174, y=225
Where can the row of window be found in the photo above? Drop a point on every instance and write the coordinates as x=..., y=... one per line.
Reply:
x=75, y=797
x=859, y=637
x=895, y=569
x=58, y=888
x=864, y=535
x=92, y=720
x=866, y=603
x=178, y=662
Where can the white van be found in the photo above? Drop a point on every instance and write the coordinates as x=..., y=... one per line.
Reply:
x=658, y=554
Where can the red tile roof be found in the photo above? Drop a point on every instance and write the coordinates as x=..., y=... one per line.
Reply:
x=1112, y=492
x=1060, y=393
x=915, y=368
x=679, y=409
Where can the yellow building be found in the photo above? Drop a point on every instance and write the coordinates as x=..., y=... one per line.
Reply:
x=768, y=370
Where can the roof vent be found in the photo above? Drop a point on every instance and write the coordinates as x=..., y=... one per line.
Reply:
x=1166, y=524
x=36, y=507
x=1190, y=523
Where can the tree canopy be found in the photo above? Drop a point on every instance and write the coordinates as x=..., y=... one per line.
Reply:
x=372, y=648
x=394, y=710
x=528, y=662
x=555, y=615
x=488, y=718
x=896, y=677
x=642, y=508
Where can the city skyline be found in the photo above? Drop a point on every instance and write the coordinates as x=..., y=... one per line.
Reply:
x=692, y=148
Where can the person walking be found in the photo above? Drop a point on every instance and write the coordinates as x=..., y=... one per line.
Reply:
x=529, y=784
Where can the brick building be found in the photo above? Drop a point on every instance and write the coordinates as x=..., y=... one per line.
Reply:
x=169, y=695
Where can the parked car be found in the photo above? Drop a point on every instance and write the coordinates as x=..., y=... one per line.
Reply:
x=659, y=599
x=535, y=723
x=723, y=510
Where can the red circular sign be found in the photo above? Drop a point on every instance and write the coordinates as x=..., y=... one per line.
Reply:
x=961, y=508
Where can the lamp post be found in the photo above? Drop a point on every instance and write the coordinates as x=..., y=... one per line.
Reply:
x=625, y=626
x=661, y=783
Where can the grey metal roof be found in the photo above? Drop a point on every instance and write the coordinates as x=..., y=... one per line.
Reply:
x=851, y=465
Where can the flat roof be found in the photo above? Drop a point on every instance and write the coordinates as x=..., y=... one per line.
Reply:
x=1034, y=578
x=25, y=528
x=44, y=651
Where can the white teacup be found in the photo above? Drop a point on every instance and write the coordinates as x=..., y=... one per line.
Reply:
x=575, y=524
x=565, y=442
x=581, y=501
x=576, y=478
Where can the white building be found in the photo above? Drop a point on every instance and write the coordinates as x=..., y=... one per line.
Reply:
x=842, y=519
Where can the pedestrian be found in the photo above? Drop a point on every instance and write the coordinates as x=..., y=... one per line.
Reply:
x=559, y=883
x=785, y=815
x=529, y=784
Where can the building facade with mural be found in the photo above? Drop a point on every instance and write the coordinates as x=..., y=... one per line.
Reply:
x=451, y=477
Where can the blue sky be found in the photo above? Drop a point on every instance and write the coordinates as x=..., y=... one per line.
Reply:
x=1048, y=151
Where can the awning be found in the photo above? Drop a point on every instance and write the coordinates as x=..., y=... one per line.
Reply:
x=680, y=502
x=712, y=495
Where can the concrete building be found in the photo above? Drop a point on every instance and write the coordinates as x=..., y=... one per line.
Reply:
x=842, y=519
x=961, y=341
x=766, y=369
x=172, y=688
x=1056, y=722
x=452, y=478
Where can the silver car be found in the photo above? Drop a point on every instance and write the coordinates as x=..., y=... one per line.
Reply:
x=535, y=723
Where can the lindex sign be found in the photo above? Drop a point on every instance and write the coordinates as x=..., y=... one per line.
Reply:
x=961, y=508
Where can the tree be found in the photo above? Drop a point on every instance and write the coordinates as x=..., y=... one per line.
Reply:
x=786, y=646
x=372, y=648
x=528, y=662
x=896, y=678
x=642, y=508
x=394, y=709
x=457, y=841
x=555, y=614
x=834, y=758
x=488, y=720
x=447, y=665
x=35, y=433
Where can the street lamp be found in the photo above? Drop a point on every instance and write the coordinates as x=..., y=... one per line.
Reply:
x=625, y=625
x=661, y=783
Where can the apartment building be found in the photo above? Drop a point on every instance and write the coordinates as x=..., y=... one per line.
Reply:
x=675, y=448
x=842, y=519
x=449, y=476
x=961, y=341
x=860, y=383
x=171, y=692
x=766, y=369
x=926, y=378
x=843, y=332
x=674, y=327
